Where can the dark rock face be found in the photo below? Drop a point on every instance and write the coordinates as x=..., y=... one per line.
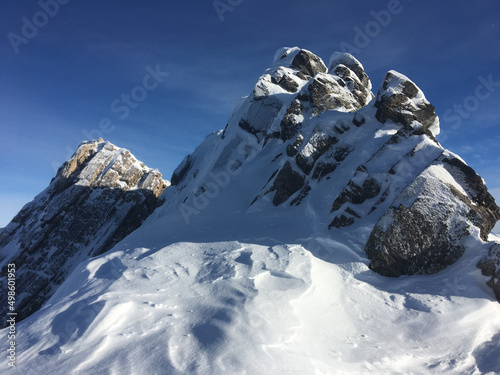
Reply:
x=181, y=171
x=490, y=266
x=289, y=125
x=484, y=213
x=429, y=234
x=260, y=116
x=338, y=90
x=324, y=94
x=318, y=145
x=339, y=59
x=357, y=194
x=293, y=148
x=309, y=63
x=97, y=198
x=284, y=81
x=363, y=191
x=286, y=184
x=358, y=120
x=322, y=169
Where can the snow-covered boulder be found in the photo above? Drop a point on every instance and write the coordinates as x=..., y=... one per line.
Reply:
x=425, y=229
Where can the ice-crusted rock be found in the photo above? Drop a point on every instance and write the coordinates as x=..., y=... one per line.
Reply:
x=349, y=61
x=305, y=61
x=353, y=74
x=97, y=198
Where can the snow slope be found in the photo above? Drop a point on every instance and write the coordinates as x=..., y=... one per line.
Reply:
x=243, y=308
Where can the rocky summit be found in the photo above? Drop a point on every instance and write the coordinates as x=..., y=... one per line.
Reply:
x=377, y=156
x=278, y=247
x=96, y=199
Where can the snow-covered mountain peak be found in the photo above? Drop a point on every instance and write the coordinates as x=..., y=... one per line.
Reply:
x=345, y=169
x=100, y=164
x=298, y=86
x=99, y=196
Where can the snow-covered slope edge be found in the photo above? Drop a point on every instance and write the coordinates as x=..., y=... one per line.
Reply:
x=98, y=197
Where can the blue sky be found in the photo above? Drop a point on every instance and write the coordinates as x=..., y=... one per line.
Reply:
x=64, y=73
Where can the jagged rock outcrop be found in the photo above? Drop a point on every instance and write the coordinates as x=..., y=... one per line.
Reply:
x=96, y=199
x=309, y=89
x=401, y=101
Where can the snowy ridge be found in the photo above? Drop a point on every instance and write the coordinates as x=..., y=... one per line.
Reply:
x=267, y=253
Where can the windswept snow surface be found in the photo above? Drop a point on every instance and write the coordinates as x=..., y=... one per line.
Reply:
x=259, y=308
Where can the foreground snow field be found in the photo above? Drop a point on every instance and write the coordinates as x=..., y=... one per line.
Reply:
x=267, y=308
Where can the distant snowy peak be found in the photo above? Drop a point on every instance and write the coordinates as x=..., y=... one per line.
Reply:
x=98, y=197
x=100, y=164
